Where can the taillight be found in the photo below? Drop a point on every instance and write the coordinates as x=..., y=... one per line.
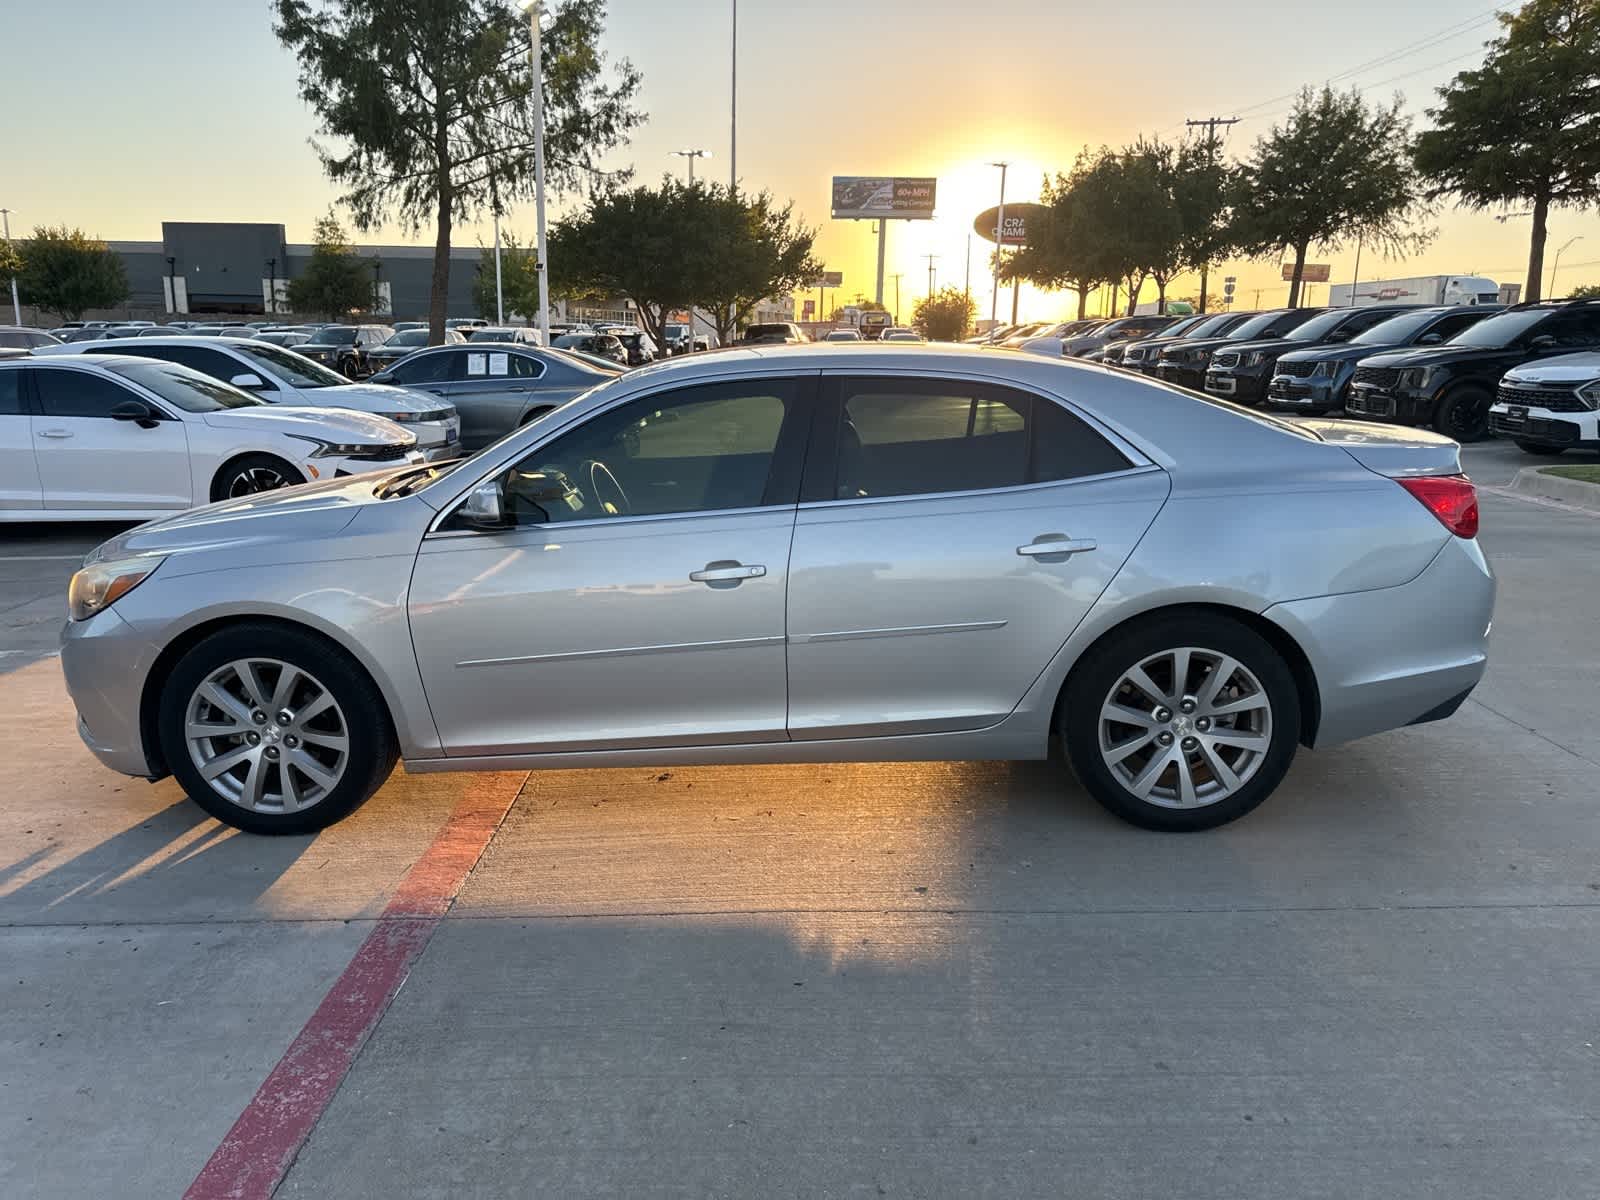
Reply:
x=1451, y=498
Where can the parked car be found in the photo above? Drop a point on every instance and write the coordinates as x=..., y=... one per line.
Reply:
x=281, y=376
x=1144, y=355
x=495, y=388
x=521, y=335
x=1315, y=381
x=1241, y=373
x=403, y=326
x=598, y=345
x=678, y=339
x=404, y=342
x=1122, y=329
x=1551, y=405
x=344, y=347
x=639, y=347
x=106, y=437
x=1184, y=362
x=843, y=335
x=1021, y=333
x=900, y=333
x=693, y=564
x=86, y=333
x=1452, y=387
x=465, y=324
x=774, y=332
x=1112, y=352
x=288, y=338
x=19, y=337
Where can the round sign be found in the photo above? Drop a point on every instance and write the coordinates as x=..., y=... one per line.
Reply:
x=1018, y=217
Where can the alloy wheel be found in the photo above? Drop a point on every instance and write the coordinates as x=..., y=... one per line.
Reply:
x=1185, y=728
x=256, y=479
x=267, y=736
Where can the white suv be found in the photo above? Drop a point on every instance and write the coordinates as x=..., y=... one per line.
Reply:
x=281, y=376
x=1550, y=405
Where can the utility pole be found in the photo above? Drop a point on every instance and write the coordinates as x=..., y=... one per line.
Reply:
x=1210, y=126
x=932, y=258
x=733, y=105
x=968, y=286
x=16, y=307
x=898, y=276
x=691, y=155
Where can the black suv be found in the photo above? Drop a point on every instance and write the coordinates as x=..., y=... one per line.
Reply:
x=1181, y=327
x=1184, y=363
x=1451, y=387
x=344, y=347
x=1316, y=381
x=1241, y=373
x=1144, y=355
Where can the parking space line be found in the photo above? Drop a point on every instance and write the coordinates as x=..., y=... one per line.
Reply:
x=258, y=1151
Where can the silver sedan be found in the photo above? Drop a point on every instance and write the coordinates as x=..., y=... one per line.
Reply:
x=804, y=554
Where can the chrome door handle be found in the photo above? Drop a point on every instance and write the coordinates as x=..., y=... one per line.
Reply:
x=1056, y=543
x=719, y=572
x=55, y=433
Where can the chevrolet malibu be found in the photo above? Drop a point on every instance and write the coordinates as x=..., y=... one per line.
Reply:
x=804, y=554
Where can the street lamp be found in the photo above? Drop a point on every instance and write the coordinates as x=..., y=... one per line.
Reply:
x=1557, y=265
x=16, y=307
x=999, y=238
x=691, y=155
x=535, y=59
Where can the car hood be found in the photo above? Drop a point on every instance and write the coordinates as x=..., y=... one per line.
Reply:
x=1338, y=352
x=1269, y=345
x=1197, y=344
x=323, y=424
x=290, y=516
x=371, y=398
x=1564, y=369
x=1434, y=356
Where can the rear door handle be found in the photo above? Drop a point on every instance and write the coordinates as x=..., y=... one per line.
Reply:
x=55, y=433
x=719, y=572
x=1056, y=543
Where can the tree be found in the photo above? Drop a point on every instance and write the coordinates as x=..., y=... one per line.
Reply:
x=1066, y=249
x=67, y=272
x=757, y=250
x=1201, y=187
x=1587, y=292
x=1524, y=128
x=336, y=280
x=1336, y=171
x=519, y=275
x=945, y=316
x=430, y=106
x=10, y=261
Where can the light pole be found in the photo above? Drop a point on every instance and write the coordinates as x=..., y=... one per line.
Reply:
x=16, y=307
x=898, y=276
x=932, y=258
x=733, y=104
x=1557, y=265
x=691, y=155
x=999, y=237
x=499, y=287
x=535, y=58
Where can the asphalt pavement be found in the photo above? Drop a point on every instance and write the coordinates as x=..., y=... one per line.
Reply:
x=917, y=980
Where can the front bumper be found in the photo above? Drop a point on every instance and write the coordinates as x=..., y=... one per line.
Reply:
x=105, y=662
x=1244, y=385
x=1191, y=376
x=1541, y=427
x=1400, y=406
x=1296, y=393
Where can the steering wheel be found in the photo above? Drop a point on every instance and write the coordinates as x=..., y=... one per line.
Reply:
x=598, y=471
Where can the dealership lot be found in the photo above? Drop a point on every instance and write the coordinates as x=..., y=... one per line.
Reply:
x=954, y=979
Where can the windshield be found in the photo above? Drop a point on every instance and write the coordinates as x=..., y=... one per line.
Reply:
x=1256, y=326
x=1318, y=327
x=1501, y=331
x=1396, y=331
x=492, y=335
x=409, y=337
x=336, y=335
x=1212, y=326
x=294, y=369
x=185, y=388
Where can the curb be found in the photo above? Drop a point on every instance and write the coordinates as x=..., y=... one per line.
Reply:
x=1533, y=481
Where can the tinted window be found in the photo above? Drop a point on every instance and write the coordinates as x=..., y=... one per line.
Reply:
x=700, y=449
x=1397, y=331
x=200, y=358
x=1576, y=327
x=423, y=368
x=915, y=437
x=294, y=369
x=1367, y=318
x=1456, y=322
x=336, y=335
x=10, y=393
x=78, y=394
x=190, y=390
x=1500, y=331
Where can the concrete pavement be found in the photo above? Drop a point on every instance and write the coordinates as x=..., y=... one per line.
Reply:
x=907, y=980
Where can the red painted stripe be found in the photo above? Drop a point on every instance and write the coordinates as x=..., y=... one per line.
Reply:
x=257, y=1152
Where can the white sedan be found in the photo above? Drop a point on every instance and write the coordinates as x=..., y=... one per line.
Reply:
x=112, y=437
x=281, y=376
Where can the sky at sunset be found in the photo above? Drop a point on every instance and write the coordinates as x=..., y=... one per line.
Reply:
x=187, y=110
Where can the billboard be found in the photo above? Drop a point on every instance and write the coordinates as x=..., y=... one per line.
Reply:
x=1018, y=218
x=828, y=279
x=1310, y=273
x=868, y=197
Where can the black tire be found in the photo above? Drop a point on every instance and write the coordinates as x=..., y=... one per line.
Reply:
x=1099, y=670
x=241, y=476
x=372, y=751
x=1536, y=448
x=1463, y=414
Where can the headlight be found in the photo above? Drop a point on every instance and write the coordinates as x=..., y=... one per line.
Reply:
x=1589, y=393
x=99, y=585
x=1415, y=377
x=1256, y=358
x=348, y=449
x=1323, y=370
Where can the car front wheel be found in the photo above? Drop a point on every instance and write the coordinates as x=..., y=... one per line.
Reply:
x=1181, y=723
x=251, y=474
x=274, y=730
x=1464, y=414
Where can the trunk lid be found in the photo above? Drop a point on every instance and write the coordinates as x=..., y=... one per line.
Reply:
x=1394, y=451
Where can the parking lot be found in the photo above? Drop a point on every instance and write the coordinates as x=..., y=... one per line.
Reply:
x=952, y=979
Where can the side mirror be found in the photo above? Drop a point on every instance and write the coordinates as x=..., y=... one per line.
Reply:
x=250, y=381
x=1543, y=342
x=485, y=507
x=1431, y=339
x=136, y=411
x=1339, y=335
x=381, y=377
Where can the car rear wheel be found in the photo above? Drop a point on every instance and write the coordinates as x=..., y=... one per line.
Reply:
x=1182, y=723
x=1536, y=448
x=274, y=731
x=251, y=474
x=1464, y=414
